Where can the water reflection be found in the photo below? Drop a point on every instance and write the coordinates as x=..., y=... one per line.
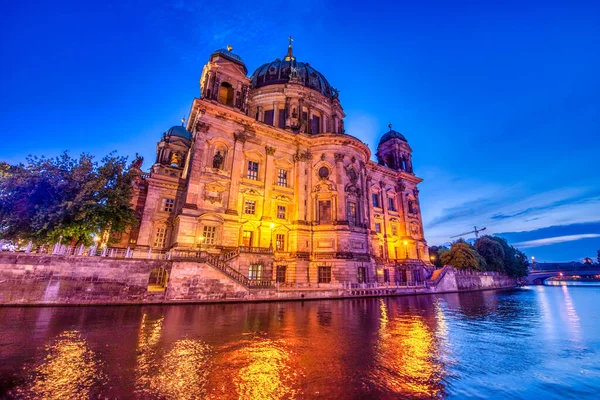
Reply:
x=181, y=373
x=69, y=370
x=406, y=356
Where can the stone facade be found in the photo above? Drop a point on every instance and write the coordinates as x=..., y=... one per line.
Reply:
x=264, y=162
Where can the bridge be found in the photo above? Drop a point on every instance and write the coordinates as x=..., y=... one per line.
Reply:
x=538, y=277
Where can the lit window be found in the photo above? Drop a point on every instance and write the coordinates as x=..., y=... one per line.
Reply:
x=247, y=238
x=375, y=200
x=250, y=207
x=210, y=234
x=391, y=206
x=255, y=271
x=324, y=275
x=394, y=230
x=281, y=212
x=280, y=242
x=377, y=227
x=281, y=270
x=168, y=205
x=282, y=177
x=351, y=213
x=253, y=170
x=159, y=237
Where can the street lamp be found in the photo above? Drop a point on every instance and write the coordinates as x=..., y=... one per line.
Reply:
x=406, y=248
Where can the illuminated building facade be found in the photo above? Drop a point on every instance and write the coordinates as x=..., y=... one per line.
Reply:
x=264, y=163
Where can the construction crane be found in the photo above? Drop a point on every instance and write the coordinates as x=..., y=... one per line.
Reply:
x=475, y=231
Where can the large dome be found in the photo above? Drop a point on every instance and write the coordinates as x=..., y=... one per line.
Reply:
x=280, y=71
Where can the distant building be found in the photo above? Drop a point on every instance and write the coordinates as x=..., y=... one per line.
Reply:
x=264, y=163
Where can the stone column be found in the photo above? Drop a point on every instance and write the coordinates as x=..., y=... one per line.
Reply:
x=236, y=170
x=308, y=212
x=341, y=206
x=275, y=115
x=269, y=174
x=299, y=184
x=385, y=219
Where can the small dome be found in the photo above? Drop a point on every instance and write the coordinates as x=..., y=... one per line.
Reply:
x=392, y=134
x=179, y=131
x=229, y=55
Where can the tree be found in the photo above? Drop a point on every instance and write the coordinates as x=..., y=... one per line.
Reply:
x=435, y=252
x=598, y=258
x=492, y=252
x=463, y=256
x=49, y=198
x=516, y=262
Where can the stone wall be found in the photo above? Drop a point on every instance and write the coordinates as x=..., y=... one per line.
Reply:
x=32, y=279
x=452, y=280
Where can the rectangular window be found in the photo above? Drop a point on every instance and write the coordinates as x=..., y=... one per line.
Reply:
x=281, y=212
x=391, y=206
x=394, y=230
x=210, y=234
x=255, y=271
x=386, y=275
x=375, y=197
x=362, y=275
x=325, y=212
x=377, y=227
x=269, y=117
x=324, y=274
x=253, y=170
x=250, y=207
x=247, y=238
x=159, y=237
x=351, y=211
x=281, y=271
x=280, y=242
x=316, y=124
x=282, y=177
x=281, y=122
x=305, y=116
x=168, y=205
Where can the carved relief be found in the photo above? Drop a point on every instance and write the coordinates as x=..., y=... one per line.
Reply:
x=339, y=157
x=213, y=192
x=270, y=150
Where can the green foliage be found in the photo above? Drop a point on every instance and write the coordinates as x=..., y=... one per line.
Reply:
x=463, y=256
x=74, y=198
x=435, y=253
x=492, y=252
x=515, y=261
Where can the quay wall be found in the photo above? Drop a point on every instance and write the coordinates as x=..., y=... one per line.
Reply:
x=34, y=279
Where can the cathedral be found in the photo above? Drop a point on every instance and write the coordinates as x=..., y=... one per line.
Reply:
x=264, y=176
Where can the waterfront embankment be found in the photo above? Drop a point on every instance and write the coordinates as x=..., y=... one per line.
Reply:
x=37, y=279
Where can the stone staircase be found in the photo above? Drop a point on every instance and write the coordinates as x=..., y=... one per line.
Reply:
x=222, y=264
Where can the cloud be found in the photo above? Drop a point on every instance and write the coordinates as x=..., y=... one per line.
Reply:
x=554, y=240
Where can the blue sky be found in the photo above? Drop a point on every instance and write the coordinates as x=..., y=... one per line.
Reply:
x=499, y=101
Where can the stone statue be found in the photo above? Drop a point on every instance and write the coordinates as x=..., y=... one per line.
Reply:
x=218, y=160
x=176, y=159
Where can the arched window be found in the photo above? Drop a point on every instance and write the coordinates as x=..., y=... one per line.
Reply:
x=157, y=282
x=226, y=94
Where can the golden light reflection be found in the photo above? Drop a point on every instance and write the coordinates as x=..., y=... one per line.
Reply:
x=267, y=373
x=181, y=373
x=69, y=370
x=405, y=357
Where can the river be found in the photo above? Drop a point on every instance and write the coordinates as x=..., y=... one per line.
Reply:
x=536, y=342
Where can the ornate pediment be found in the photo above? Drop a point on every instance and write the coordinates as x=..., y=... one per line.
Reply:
x=324, y=187
x=213, y=192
